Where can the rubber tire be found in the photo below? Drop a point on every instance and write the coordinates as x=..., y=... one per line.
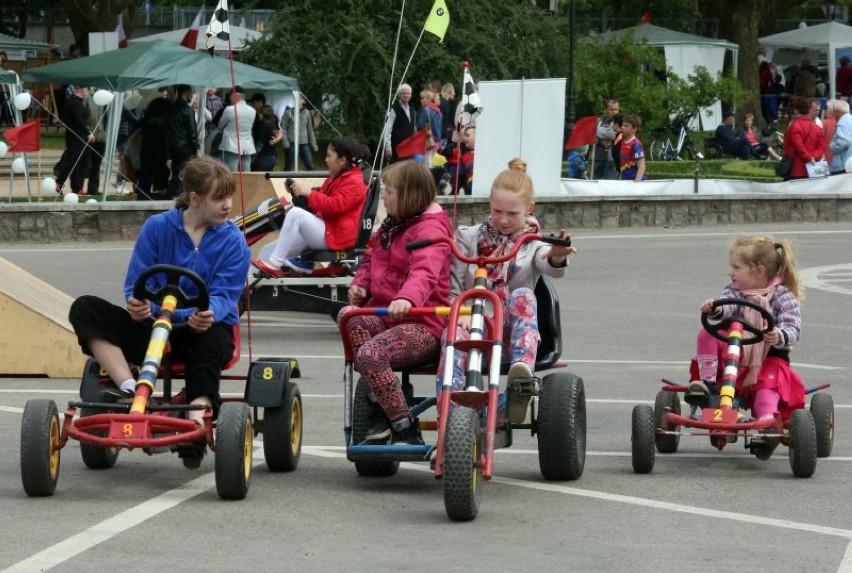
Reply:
x=656, y=150
x=97, y=457
x=802, y=449
x=233, y=450
x=642, y=437
x=822, y=409
x=666, y=443
x=360, y=424
x=282, y=432
x=40, y=432
x=561, y=427
x=462, y=473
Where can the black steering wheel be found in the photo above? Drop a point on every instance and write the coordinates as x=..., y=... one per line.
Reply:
x=715, y=327
x=142, y=291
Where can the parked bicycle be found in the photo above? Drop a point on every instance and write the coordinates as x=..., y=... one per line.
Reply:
x=674, y=150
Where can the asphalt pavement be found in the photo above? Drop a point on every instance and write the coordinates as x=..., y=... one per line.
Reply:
x=629, y=317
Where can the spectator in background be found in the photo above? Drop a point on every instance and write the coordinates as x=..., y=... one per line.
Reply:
x=448, y=112
x=307, y=137
x=805, y=85
x=97, y=147
x=841, y=141
x=829, y=124
x=400, y=122
x=268, y=136
x=844, y=77
x=759, y=150
x=257, y=101
x=214, y=105
x=765, y=78
x=430, y=114
x=181, y=135
x=803, y=140
x=602, y=163
x=632, y=160
x=237, y=145
x=131, y=120
x=727, y=140
x=153, y=172
x=73, y=163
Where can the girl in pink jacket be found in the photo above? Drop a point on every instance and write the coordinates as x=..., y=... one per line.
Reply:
x=392, y=277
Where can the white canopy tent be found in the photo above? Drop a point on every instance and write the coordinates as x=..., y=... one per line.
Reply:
x=239, y=37
x=828, y=37
x=683, y=53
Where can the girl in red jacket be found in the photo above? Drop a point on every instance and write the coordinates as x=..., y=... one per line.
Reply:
x=392, y=277
x=332, y=216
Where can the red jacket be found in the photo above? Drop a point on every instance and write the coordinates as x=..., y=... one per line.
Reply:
x=339, y=203
x=421, y=277
x=803, y=141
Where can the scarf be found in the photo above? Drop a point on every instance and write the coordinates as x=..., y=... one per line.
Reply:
x=755, y=354
x=391, y=227
x=491, y=243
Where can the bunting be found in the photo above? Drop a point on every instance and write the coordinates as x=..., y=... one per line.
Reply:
x=219, y=26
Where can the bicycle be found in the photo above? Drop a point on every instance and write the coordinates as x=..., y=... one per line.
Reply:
x=667, y=150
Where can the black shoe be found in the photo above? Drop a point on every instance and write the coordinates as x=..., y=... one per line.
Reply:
x=192, y=454
x=697, y=394
x=378, y=431
x=114, y=394
x=762, y=446
x=406, y=432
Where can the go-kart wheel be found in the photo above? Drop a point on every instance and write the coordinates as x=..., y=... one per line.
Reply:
x=803, y=444
x=282, y=432
x=233, y=450
x=822, y=409
x=96, y=457
x=40, y=434
x=462, y=475
x=361, y=409
x=666, y=443
x=719, y=328
x=642, y=435
x=561, y=427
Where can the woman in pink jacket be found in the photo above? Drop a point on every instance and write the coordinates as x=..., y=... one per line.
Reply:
x=327, y=218
x=392, y=277
x=803, y=140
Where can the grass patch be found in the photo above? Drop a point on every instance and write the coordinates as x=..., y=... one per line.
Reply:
x=755, y=170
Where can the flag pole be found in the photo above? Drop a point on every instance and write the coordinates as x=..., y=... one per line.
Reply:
x=379, y=158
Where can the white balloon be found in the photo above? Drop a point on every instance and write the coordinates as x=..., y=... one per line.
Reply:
x=91, y=200
x=71, y=198
x=19, y=165
x=103, y=97
x=48, y=185
x=4, y=149
x=23, y=101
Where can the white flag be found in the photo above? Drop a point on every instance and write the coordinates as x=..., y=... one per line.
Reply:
x=470, y=105
x=219, y=26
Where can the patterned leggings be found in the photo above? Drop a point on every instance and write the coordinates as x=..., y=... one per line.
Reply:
x=379, y=349
x=520, y=334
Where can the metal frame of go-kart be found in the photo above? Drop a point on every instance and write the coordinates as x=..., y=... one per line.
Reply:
x=157, y=424
x=324, y=289
x=469, y=432
x=808, y=434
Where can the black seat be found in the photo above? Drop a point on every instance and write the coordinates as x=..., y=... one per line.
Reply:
x=368, y=222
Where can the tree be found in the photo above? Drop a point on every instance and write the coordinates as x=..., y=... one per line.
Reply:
x=87, y=16
x=344, y=56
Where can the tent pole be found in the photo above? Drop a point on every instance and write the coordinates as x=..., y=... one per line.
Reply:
x=114, y=119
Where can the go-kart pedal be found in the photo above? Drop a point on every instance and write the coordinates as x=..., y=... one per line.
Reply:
x=191, y=454
x=521, y=386
x=763, y=445
x=698, y=393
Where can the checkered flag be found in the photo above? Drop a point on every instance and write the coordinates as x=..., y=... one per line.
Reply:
x=219, y=26
x=470, y=105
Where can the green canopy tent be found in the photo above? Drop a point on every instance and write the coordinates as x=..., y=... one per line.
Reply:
x=149, y=65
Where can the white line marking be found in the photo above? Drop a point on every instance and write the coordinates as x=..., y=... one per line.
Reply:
x=846, y=564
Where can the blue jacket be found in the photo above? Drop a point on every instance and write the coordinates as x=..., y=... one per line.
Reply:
x=841, y=144
x=221, y=259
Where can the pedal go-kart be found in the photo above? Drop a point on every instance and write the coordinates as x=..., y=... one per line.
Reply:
x=322, y=290
x=808, y=434
x=157, y=424
x=468, y=428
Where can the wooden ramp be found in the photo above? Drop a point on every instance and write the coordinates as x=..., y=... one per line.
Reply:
x=36, y=338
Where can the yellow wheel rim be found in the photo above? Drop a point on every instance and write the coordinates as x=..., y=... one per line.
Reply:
x=296, y=426
x=247, y=450
x=54, y=448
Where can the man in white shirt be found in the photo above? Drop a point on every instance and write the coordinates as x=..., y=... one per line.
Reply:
x=239, y=112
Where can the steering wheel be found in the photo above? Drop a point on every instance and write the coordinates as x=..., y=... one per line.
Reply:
x=715, y=327
x=173, y=273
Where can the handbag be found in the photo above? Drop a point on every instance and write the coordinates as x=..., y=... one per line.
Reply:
x=817, y=169
x=783, y=167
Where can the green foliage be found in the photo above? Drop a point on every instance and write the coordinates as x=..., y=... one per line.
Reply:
x=342, y=51
x=714, y=169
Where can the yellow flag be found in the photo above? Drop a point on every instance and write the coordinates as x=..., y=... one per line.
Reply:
x=438, y=20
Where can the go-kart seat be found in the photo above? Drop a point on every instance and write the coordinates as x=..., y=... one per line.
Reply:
x=368, y=220
x=549, y=328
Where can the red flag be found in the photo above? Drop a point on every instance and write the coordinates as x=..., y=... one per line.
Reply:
x=585, y=133
x=122, y=37
x=646, y=17
x=190, y=40
x=25, y=137
x=414, y=145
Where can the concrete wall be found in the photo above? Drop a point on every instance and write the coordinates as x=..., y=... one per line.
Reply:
x=121, y=221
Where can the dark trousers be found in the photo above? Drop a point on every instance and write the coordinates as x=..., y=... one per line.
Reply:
x=73, y=163
x=204, y=354
x=306, y=156
x=96, y=155
x=738, y=148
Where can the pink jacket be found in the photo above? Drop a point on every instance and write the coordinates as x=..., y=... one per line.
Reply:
x=421, y=277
